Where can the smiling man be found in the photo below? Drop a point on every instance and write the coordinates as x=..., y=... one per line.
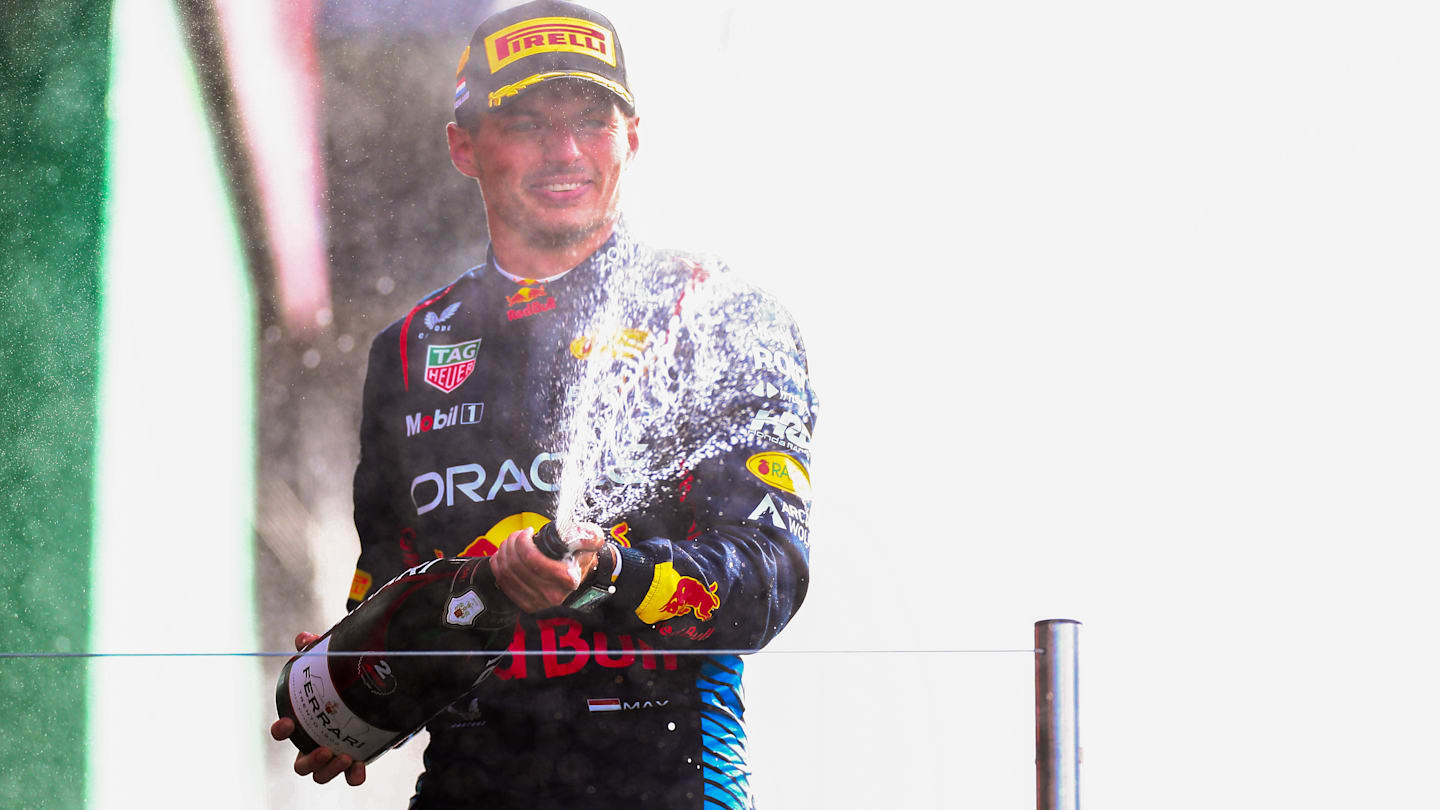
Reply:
x=624, y=688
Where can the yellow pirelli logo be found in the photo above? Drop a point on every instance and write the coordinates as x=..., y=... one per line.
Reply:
x=360, y=585
x=549, y=35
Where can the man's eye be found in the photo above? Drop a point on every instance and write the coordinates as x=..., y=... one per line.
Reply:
x=521, y=126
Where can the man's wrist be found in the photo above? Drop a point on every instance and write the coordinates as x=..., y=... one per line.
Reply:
x=597, y=587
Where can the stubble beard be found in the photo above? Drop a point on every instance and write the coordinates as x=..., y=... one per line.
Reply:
x=552, y=237
x=561, y=237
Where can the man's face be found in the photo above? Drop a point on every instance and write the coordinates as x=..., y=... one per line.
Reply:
x=549, y=161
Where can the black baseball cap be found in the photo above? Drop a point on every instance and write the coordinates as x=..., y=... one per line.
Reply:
x=518, y=48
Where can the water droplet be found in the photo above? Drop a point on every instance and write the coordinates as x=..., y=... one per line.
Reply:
x=323, y=316
x=345, y=343
x=385, y=285
x=311, y=358
x=670, y=725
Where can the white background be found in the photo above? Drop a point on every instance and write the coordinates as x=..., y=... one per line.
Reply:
x=1122, y=312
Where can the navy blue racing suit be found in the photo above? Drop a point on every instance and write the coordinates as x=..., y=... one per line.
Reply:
x=462, y=443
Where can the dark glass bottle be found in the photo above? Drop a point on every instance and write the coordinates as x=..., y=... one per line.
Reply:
x=368, y=684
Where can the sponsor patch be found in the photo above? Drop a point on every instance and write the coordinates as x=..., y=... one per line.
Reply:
x=781, y=363
x=672, y=594
x=624, y=343
x=465, y=413
x=549, y=35
x=446, y=367
x=780, y=471
x=437, y=323
x=462, y=610
x=489, y=542
x=360, y=585
x=430, y=490
x=767, y=511
x=529, y=299
x=781, y=427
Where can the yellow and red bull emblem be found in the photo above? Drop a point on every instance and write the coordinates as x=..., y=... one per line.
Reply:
x=360, y=585
x=620, y=533
x=780, y=471
x=489, y=542
x=549, y=35
x=627, y=343
x=673, y=594
x=531, y=299
x=530, y=290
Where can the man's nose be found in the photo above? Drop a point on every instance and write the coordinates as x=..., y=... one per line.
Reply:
x=560, y=144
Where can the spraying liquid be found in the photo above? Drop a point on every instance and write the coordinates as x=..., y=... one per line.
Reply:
x=669, y=351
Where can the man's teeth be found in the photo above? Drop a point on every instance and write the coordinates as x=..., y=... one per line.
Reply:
x=561, y=186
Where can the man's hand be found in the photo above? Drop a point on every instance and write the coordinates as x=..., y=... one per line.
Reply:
x=534, y=581
x=322, y=762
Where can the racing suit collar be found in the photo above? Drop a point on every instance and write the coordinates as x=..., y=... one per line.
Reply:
x=617, y=251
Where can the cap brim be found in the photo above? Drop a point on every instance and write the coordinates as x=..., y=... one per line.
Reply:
x=509, y=91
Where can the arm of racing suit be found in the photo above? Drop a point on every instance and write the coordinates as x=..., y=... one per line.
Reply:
x=743, y=570
x=386, y=540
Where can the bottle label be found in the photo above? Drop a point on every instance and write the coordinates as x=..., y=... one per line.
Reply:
x=462, y=610
x=324, y=716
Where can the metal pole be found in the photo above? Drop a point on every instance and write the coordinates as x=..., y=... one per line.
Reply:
x=1057, y=715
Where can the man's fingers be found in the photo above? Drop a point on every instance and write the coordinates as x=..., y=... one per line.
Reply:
x=306, y=764
x=586, y=537
x=282, y=729
x=302, y=639
x=333, y=768
x=323, y=765
x=355, y=774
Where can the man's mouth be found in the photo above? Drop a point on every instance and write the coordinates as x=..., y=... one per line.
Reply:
x=561, y=191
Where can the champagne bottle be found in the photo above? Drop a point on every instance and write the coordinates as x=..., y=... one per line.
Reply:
x=351, y=692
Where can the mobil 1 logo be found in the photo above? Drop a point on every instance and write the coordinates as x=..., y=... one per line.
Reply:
x=464, y=413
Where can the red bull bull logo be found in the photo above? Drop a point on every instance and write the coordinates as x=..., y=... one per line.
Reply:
x=692, y=595
x=531, y=299
x=529, y=291
x=673, y=594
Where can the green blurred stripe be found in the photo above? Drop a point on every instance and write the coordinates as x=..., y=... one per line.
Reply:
x=53, y=80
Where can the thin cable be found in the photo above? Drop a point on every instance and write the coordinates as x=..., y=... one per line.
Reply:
x=459, y=653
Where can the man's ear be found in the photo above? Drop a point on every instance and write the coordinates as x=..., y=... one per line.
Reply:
x=634, y=136
x=462, y=149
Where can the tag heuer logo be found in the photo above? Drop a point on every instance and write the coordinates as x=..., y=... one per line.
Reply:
x=448, y=366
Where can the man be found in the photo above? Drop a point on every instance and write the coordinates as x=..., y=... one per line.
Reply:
x=684, y=388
